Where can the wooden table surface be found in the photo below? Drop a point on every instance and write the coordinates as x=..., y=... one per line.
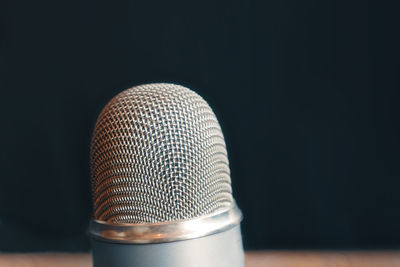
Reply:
x=253, y=259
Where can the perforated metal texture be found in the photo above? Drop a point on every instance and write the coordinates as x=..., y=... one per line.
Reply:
x=157, y=155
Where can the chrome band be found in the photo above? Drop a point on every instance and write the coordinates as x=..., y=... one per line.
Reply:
x=166, y=231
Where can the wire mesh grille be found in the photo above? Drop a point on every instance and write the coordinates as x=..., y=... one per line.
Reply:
x=158, y=154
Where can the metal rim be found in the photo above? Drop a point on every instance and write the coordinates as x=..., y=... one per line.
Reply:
x=166, y=231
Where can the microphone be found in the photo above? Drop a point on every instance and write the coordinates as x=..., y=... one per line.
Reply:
x=161, y=183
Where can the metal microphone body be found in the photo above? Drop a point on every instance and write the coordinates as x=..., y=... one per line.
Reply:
x=161, y=183
x=219, y=250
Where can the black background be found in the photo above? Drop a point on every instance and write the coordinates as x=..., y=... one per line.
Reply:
x=306, y=93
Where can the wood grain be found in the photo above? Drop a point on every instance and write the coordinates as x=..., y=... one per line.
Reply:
x=325, y=259
x=253, y=259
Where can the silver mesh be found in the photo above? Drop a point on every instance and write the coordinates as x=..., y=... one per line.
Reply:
x=157, y=155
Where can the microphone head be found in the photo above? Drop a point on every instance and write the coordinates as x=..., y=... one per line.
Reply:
x=158, y=155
